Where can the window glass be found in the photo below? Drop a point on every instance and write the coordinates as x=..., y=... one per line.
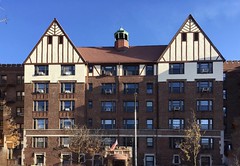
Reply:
x=176, y=68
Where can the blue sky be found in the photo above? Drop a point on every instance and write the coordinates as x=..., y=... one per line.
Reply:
x=93, y=23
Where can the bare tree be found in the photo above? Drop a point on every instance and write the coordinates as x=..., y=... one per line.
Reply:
x=84, y=141
x=191, y=144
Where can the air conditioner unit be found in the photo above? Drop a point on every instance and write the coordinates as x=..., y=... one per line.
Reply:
x=107, y=73
x=176, y=145
x=66, y=145
x=67, y=91
x=108, y=91
x=40, y=91
x=176, y=108
x=67, y=109
x=108, y=109
x=40, y=73
x=205, y=89
x=67, y=73
x=204, y=70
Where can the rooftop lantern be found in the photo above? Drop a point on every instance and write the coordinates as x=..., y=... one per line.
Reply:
x=121, y=39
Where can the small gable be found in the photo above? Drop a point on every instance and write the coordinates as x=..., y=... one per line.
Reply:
x=54, y=47
x=190, y=44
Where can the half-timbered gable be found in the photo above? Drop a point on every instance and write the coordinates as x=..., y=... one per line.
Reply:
x=190, y=44
x=54, y=47
x=57, y=54
x=190, y=55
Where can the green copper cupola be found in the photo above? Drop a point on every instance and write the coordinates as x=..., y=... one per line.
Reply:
x=121, y=39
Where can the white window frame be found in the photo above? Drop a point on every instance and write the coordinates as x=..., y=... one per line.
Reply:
x=44, y=158
x=179, y=159
x=200, y=161
x=66, y=153
x=154, y=158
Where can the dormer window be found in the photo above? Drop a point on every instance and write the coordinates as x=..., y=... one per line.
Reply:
x=68, y=70
x=109, y=70
x=131, y=70
x=41, y=70
x=205, y=67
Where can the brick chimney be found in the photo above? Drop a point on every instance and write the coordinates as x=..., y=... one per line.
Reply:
x=121, y=40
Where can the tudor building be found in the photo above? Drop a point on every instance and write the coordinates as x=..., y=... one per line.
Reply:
x=95, y=86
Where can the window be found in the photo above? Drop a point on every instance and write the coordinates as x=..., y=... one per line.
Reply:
x=68, y=70
x=41, y=88
x=149, y=124
x=20, y=96
x=90, y=104
x=204, y=105
x=176, y=159
x=39, y=159
x=90, y=87
x=60, y=39
x=41, y=70
x=108, y=106
x=184, y=36
x=205, y=160
x=176, y=123
x=109, y=70
x=130, y=88
x=207, y=143
x=176, y=68
x=149, y=70
x=149, y=88
x=20, y=79
x=174, y=142
x=175, y=105
x=19, y=111
x=205, y=124
x=40, y=124
x=108, y=88
x=149, y=106
x=149, y=141
x=129, y=123
x=49, y=39
x=41, y=105
x=108, y=123
x=128, y=141
x=149, y=160
x=67, y=105
x=3, y=79
x=205, y=67
x=97, y=159
x=66, y=159
x=224, y=76
x=67, y=87
x=195, y=36
x=90, y=68
x=129, y=106
x=225, y=111
x=39, y=142
x=129, y=70
x=64, y=141
x=176, y=87
x=66, y=123
x=224, y=94
x=204, y=86
x=90, y=122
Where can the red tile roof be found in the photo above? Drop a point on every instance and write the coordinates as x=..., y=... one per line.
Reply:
x=135, y=54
